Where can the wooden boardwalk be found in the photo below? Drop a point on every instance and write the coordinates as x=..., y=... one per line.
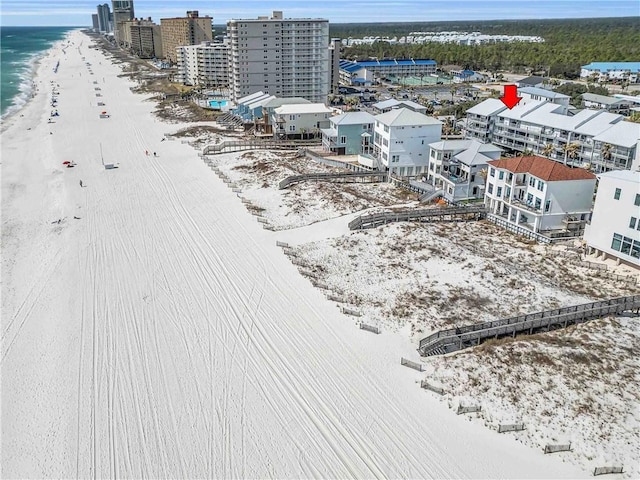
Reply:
x=239, y=145
x=453, y=339
x=346, y=177
x=424, y=215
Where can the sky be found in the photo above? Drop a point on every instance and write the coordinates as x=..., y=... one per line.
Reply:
x=78, y=12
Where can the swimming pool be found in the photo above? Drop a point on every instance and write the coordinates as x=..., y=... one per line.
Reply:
x=217, y=103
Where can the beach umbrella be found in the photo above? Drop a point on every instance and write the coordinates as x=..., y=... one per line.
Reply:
x=66, y=162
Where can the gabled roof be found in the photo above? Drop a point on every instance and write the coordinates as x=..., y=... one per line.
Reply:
x=250, y=97
x=297, y=108
x=531, y=80
x=353, y=118
x=542, y=92
x=542, y=168
x=278, y=102
x=490, y=106
x=405, y=117
x=603, y=99
x=623, y=134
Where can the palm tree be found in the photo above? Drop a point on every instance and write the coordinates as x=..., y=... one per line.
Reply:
x=547, y=150
x=605, y=152
x=571, y=151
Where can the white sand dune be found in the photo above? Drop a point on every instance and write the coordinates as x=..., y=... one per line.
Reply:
x=163, y=334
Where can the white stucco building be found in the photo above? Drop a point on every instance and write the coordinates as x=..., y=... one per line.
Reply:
x=401, y=141
x=300, y=120
x=540, y=195
x=206, y=64
x=614, y=230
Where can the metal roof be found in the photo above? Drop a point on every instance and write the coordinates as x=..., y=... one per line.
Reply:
x=353, y=118
x=351, y=66
x=607, y=66
x=542, y=92
x=405, y=117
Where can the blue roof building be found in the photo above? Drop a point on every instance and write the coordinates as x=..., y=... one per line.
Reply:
x=613, y=70
x=368, y=71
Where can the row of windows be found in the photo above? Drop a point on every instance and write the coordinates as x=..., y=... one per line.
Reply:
x=633, y=223
x=618, y=192
x=626, y=245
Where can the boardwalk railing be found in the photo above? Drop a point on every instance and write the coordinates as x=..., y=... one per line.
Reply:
x=424, y=215
x=239, y=145
x=525, y=232
x=347, y=177
x=453, y=339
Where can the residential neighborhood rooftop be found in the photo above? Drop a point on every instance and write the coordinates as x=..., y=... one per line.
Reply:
x=542, y=92
x=542, y=168
x=404, y=117
x=623, y=175
x=604, y=66
x=302, y=108
x=353, y=118
x=490, y=106
x=604, y=99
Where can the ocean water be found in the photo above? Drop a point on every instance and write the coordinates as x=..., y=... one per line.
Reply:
x=20, y=48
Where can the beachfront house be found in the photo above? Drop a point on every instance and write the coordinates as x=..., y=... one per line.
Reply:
x=301, y=121
x=349, y=134
x=262, y=119
x=614, y=230
x=539, y=195
x=401, y=141
x=457, y=168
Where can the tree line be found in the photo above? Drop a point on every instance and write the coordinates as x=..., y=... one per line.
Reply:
x=569, y=43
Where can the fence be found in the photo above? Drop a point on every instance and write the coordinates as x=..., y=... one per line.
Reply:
x=557, y=448
x=514, y=427
x=468, y=409
x=240, y=145
x=427, y=386
x=348, y=311
x=410, y=364
x=369, y=328
x=606, y=470
x=525, y=232
x=335, y=163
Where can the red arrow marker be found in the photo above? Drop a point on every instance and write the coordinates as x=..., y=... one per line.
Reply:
x=510, y=97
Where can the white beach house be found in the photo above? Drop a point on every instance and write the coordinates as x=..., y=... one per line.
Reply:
x=540, y=195
x=614, y=230
x=401, y=141
x=456, y=167
x=300, y=120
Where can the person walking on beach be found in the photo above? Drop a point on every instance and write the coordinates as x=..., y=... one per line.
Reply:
x=80, y=183
x=154, y=154
x=146, y=152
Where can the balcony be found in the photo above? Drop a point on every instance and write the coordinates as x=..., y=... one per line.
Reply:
x=527, y=206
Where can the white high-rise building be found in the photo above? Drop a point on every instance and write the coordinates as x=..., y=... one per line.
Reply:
x=281, y=57
x=206, y=64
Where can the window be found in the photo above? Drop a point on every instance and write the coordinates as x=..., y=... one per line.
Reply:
x=507, y=192
x=538, y=203
x=292, y=128
x=529, y=199
x=490, y=188
x=510, y=177
x=386, y=128
x=616, y=195
x=637, y=200
x=547, y=206
x=501, y=175
x=499, y=192
x=492, y=172
x=632, y=222
x=292, y=117
x=626, y=245
x=343, y=139
x=617, y=240
x=395, y=158
x=540, y=185
x=532, y=182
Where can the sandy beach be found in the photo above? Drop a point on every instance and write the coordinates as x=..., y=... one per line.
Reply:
x=151, y=328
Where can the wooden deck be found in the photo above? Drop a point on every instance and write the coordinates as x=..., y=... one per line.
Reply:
x=451, y=340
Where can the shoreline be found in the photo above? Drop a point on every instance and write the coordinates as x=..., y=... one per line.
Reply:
x=156, y=330
x=28, y=84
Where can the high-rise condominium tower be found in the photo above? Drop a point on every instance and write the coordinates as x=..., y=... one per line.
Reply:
x=280, y=56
